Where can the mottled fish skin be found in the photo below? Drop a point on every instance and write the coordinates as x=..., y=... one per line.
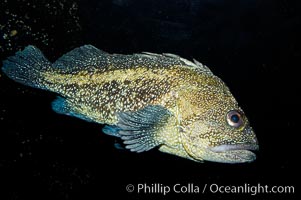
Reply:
x=148, y=100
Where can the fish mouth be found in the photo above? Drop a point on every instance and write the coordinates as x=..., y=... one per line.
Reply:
x=236, y=153
x=233, y=147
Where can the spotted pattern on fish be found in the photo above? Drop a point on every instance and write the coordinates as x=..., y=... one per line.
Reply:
x=148, y=100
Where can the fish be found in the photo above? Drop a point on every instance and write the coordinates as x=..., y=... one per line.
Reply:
x=147, y=100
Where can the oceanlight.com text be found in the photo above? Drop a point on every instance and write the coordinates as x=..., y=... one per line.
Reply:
x=213, y=188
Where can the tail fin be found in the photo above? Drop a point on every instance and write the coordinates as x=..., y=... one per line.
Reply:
x=26, y=67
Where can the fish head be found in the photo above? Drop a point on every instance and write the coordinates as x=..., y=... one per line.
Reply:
x=220, y=131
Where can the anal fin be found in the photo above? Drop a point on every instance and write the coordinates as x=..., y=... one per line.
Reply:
x=61, y=106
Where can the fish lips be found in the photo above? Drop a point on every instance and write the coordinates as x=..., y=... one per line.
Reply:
x=237, y=153
x=231, y=147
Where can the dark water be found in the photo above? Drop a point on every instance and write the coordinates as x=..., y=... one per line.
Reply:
x=254, y=46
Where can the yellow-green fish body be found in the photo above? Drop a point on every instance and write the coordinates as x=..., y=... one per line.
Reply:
x=148, y=100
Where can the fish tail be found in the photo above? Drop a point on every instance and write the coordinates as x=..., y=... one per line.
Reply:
x=27, y=67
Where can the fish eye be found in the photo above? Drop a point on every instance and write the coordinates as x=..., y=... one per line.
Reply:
x=234, y=119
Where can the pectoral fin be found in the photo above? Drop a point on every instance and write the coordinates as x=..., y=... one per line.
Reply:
x=140, y=129
x=111, y=130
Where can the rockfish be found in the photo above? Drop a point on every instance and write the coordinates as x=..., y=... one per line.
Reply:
x=147, y=100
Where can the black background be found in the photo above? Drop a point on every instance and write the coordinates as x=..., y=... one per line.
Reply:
x=254, y=46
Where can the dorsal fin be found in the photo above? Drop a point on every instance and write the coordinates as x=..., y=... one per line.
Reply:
x=84, y=57
x=195, y=63
x=177, y=60
x=89, y=58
